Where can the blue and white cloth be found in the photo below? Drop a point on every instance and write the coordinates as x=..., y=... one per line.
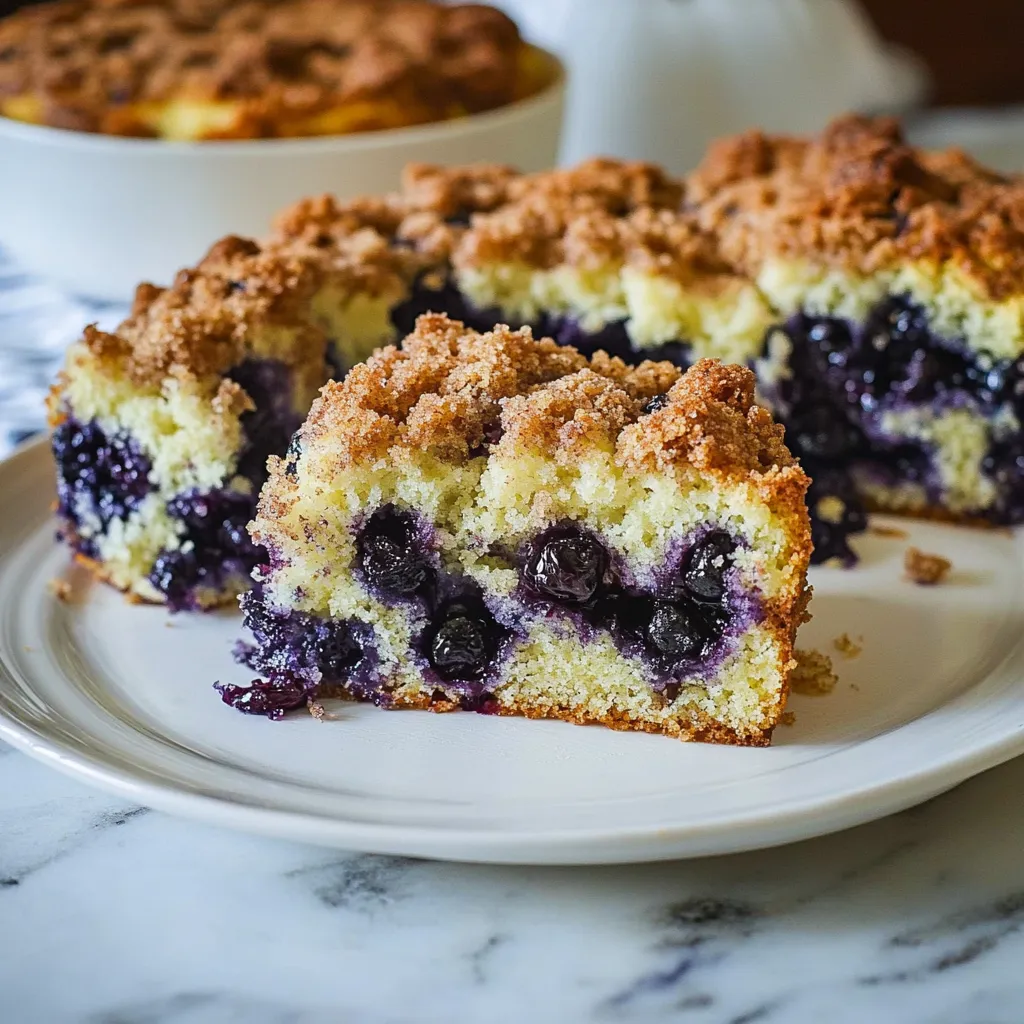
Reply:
x=37, y=323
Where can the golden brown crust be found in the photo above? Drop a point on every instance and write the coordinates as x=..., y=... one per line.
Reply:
x=95, y=65
x=861, y=198
x=450, y=389
x=858, y=197
x=697, y=728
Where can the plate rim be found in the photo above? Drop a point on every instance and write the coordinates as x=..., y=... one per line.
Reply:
x=592, y=845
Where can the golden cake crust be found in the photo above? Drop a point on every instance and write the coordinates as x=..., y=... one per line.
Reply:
x=450, y=390
x=861, y=198
x=858, y=198
x=90, y=64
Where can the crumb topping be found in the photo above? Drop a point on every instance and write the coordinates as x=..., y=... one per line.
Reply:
x=94, y=65
x=451, y=391
x=925, y=569
x=858, y=197
x=861, y=197
x=200, y=327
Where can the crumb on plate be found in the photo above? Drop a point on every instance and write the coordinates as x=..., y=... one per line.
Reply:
x=847, y=646
x=888, y=531
x=813, y=675
x=925, y=569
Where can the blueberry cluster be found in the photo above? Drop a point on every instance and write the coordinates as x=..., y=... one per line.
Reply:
x=99, y=477
x=268, y=427
x=673, y=629
x=298, y=653
x=893, y=355
x=612, y=338
x=843, y=374
x=463, y=640
x=215, y=546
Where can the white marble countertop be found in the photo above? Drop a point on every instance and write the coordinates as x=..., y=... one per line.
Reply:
x=111, y=914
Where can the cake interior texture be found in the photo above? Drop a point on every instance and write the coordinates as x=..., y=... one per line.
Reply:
x=497, y=523
x=874, y=289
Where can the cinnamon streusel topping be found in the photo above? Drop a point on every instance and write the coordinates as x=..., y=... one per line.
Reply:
x=452, y=391
x=858, y=198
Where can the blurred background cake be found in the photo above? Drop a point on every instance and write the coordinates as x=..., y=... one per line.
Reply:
x=220, y=70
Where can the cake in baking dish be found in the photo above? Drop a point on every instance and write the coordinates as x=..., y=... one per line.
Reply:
x=191, y=71
x=497, y=523
x=874, y=289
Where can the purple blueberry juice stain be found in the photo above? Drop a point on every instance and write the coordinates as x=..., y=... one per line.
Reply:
x=269, y=427
x=99, y=478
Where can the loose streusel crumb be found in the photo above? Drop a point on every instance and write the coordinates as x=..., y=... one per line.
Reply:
x=888, y=531
x=61, y=589
x=813, y=675
x=925, y=569
x=316, y=709
x=846, y=645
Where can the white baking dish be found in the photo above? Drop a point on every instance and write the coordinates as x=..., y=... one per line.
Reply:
x=97, y=214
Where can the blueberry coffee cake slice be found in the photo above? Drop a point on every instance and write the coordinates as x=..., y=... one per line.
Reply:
x=161, y=429
x=497, y=523
x=896, y=280
x=874, y=288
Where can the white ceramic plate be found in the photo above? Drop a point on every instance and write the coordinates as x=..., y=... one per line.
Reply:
x=121, y=696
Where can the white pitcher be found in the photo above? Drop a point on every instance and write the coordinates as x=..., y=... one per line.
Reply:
x=657, y=79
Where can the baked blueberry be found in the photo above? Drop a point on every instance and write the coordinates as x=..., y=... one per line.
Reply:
x=271, y=699
x=389, y=553
x=567, y=565
x=707, y=566
x=676, y=630
x=463, y=642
